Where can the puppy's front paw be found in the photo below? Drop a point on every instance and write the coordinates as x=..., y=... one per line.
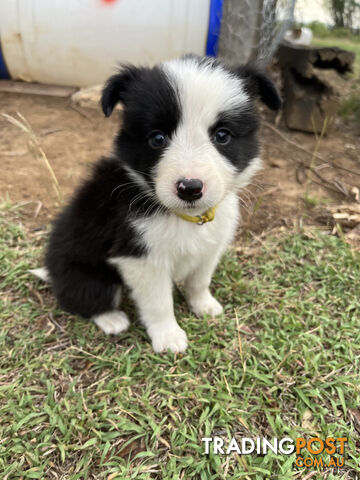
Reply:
x=112, y=323
x=173, y=338
x=205, y=303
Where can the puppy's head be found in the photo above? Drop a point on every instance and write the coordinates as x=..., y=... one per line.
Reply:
x=189, y=128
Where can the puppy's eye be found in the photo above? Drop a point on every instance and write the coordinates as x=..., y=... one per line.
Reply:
x=222, y=136
x=157, y=140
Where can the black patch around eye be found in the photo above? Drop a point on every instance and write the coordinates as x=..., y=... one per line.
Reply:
x=243, y=146
x=151, y=105
x=239, y=123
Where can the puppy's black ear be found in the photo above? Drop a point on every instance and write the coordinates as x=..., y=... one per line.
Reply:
x=116, y=87
x=260, y=84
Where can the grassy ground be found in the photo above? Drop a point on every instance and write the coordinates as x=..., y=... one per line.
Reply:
x=283, y=361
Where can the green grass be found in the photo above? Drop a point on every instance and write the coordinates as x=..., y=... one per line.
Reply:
x=350, y=108
x=321, y=30
x=77, y=405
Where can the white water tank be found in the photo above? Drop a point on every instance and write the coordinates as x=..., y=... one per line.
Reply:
x=80, y=42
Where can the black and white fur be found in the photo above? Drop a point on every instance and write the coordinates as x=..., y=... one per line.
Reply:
x=121, y=226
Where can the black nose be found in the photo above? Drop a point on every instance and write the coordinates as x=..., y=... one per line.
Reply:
x=189, y=190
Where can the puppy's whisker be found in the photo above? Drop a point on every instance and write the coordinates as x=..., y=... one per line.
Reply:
x=120, y=188
x=139, y=198
x=160, y=209
x=141, y=173
x=149, y=209
x=125, y=166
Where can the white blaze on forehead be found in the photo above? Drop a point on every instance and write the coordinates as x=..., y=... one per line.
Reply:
x=204, y=90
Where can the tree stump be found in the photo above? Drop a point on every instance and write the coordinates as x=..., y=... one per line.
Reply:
x=312, y=84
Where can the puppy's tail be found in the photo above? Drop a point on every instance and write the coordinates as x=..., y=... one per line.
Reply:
x=41, y=273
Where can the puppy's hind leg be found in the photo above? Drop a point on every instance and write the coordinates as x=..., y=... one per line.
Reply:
x=113, y=322
x=41, y=273
x=93, y=293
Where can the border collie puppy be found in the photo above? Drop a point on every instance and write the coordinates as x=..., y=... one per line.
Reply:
x=163, y=206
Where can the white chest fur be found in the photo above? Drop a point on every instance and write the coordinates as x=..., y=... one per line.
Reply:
x=177, y=251
x=175, y=245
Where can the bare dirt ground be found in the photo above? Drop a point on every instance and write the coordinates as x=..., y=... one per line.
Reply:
x=74, y=138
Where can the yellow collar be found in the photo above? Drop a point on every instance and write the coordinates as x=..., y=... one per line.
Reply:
x=207, y=216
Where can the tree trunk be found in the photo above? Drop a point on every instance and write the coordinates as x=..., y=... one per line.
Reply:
x=239, y=30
